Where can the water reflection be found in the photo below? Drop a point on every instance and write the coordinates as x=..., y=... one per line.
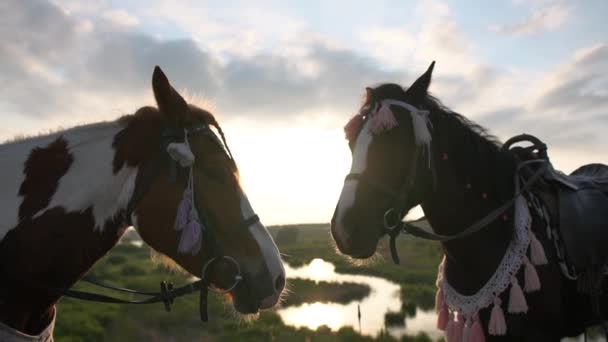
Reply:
x=383, y=298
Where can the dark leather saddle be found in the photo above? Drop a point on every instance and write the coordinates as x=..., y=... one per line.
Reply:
x=578, y=203
x=582, y=203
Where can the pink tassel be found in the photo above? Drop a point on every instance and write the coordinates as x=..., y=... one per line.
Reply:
x=517, y=300
x=439, y=300
x=458, y=330
x=466, y=330
x=353, y=127
x=190, y=241
x=537, y=252
x=183, y=210
x=442, y=319
x=383, y=120
x=449, y=328
x=498, y=325
x=476, y=332
x=531, y=277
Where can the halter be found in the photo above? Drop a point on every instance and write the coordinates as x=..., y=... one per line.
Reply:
x=392, y=220
x=172, y=135
x=392, y=217
x=422, y=138
x=167, y=294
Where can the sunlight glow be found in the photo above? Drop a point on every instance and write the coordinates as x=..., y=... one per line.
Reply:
x=291, y=173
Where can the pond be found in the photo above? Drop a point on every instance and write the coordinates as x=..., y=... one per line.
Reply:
x=383, y=298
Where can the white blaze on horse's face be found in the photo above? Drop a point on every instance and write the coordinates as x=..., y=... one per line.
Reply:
x=270, y=254
x=349, y=191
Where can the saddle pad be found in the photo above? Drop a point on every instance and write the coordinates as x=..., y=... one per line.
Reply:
x=583, y=217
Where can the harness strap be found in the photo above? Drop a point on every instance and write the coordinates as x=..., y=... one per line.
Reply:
x=166, y=295
x=409, y=228
x=483, y=222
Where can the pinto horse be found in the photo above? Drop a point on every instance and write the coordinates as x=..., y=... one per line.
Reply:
x=499, y=279
x=68, y=197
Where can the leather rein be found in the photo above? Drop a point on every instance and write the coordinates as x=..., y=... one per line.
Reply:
x=393, y=224
x=167, y=292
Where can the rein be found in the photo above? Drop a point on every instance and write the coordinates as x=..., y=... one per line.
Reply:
x=394, y=226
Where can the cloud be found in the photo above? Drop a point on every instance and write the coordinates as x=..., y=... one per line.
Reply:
x=120, y=17
x=105, y=67
x=102, y=71
x=547, y=18
x=580, y=85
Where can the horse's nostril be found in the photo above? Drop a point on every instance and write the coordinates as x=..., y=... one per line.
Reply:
x=279, y=283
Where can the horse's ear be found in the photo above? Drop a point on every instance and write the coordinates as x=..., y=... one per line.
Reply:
x=170, y=103
x=418, y=90
x=369, y=94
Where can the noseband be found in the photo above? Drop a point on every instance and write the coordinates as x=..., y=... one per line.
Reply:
x=393, y=226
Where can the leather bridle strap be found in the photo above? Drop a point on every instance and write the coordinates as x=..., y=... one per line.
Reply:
x=166, y=295
x=392, y=217
x=493, y=215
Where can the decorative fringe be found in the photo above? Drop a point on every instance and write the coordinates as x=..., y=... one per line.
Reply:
x=458, y=330
x=537, y=252
x=191, y=239
x=439, y=300
x=449, y=328
x=517, y=300
x=183, y=210
x=476, y=332
x=353, y=127
x=441, y=309
x=420, y=122
x=531, y=277
x=442, y=318
x=187, y=220
x=466, y=329
x=498, y=325
x=383, y=120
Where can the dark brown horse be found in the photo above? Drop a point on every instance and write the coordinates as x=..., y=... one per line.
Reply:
x=68, y=197
x=501, y=282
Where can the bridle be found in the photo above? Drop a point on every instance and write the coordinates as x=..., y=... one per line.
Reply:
x=169, y=135
x=399, y=199
x=392, y=220
x=167, y=294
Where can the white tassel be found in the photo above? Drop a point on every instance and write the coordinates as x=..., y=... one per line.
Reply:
x=420, y=122
x=181, y=153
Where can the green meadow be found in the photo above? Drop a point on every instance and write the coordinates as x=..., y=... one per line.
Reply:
x=131, y=266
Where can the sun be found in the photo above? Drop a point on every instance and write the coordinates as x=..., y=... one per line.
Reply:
x=291, y=174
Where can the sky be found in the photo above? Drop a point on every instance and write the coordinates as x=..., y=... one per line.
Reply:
x=283, y=77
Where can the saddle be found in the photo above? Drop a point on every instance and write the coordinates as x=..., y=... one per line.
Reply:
x=577, y=204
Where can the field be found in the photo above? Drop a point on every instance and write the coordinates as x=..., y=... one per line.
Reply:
x=131, y=266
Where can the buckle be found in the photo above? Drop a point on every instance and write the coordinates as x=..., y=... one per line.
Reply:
x=166, y=294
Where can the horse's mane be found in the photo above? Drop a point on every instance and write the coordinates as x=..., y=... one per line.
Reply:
x=434, y=105
x=481, y=156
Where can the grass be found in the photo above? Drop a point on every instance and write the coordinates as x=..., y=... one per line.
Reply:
x=130, y=266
